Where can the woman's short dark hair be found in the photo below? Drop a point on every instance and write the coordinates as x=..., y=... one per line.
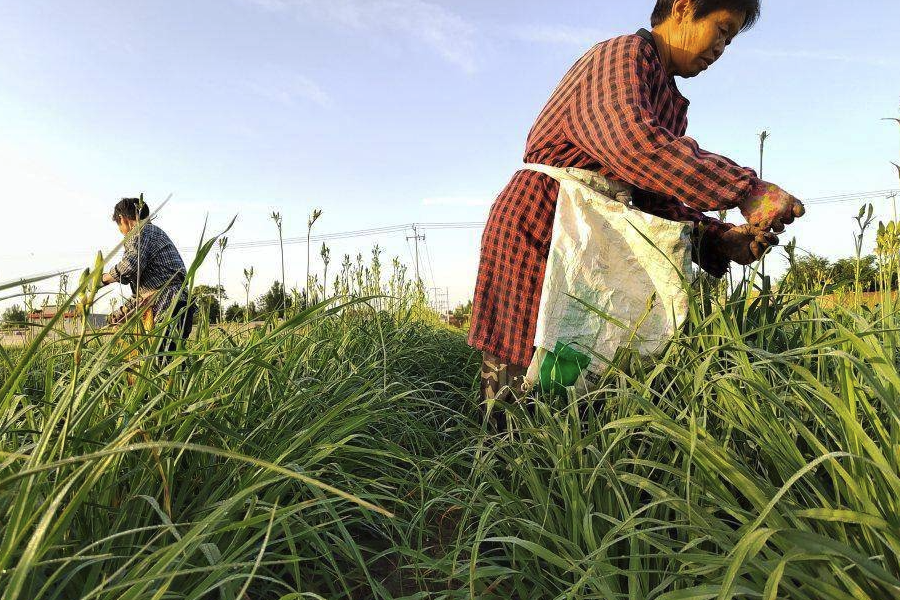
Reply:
x=134, y=209
x=702, y=8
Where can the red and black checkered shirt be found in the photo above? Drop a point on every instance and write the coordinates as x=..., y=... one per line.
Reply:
x=616, y=112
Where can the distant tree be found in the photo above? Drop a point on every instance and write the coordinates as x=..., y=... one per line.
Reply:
x=273, y=300
x=844, y=273
x=14, y=316
x=808, y=274
x=463, y=311
x=461, y=315
x=207, y=298
x=237, y=313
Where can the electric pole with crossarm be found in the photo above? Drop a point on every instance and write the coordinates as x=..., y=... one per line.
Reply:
x=417, y=237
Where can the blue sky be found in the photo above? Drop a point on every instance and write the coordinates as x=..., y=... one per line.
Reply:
x=384, y=112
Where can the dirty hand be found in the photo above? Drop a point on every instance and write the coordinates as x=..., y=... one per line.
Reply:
x=747, y=244
x=117, y=317
x=771, y=208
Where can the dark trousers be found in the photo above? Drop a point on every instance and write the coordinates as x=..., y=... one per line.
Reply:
x=180, y=328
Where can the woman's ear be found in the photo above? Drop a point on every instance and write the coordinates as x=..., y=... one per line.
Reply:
x=683, y=11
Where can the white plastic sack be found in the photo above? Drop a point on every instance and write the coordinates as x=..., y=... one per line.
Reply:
x=614, y=279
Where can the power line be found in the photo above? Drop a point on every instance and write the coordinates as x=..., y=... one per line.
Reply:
x=437, y=226
x=402, y=228
x=412, y=259
x=341, y=235
x=441, y=303
x=850, y=197
x=320, y=238
x=430, y=266
x=458, y=225
x=359, y=233
x=461, y=225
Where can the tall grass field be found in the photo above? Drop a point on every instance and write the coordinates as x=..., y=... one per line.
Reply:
x=340, y=452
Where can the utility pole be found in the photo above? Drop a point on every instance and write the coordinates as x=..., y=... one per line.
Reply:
x=446, y=304
x=417, y=237
x=441, y=301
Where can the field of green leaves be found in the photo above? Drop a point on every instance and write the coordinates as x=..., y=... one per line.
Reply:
x=340, y=453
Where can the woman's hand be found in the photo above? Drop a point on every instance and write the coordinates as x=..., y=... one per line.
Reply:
x=746, y=244
x=116, y=318
x=771, y=208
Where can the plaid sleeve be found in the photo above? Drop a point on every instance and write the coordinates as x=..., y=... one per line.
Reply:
x=613, y=119
x=140, y=247
x=706, y=238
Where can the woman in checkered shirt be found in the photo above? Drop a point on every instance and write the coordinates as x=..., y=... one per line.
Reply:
x=619, y=112
x=152, y=267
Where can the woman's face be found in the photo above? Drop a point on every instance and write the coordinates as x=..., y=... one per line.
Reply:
x=125, y=225
x=695, y=44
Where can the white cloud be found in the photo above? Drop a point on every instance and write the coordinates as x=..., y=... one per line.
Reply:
x=559, y=34
x=445, y=32
x=457, y=201
x=285, y=87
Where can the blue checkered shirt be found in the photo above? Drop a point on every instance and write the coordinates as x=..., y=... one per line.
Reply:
x=151, y=266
